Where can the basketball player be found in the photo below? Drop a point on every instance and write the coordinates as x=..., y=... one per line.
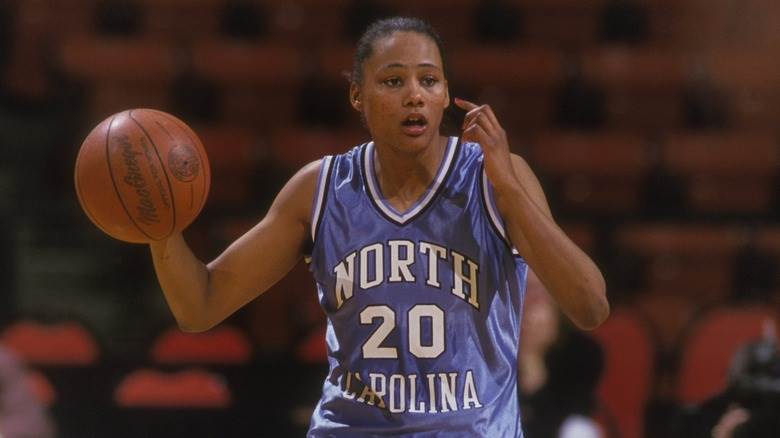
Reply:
x=419, y=245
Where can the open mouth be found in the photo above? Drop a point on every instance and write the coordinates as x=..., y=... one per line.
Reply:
x=414, y=125
x=415, y=120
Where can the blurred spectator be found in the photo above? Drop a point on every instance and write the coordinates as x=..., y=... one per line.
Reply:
x=6, y=32
x=662, y=192
x=749, y=406
x=322, y=102
x=755, y=274
x=579, y=104
x=8, y=266
x=626, y=274
x=704, y=105
x=194, y=98
x=118, y=18
x=243, y=20
x=559, y=368
x=360, y=13
x=497, y=21
x=21, y=414
x=623, y=21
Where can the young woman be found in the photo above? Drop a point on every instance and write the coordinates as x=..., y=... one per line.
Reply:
x=419, y=245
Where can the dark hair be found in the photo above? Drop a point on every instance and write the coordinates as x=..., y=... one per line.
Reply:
x=386, y=27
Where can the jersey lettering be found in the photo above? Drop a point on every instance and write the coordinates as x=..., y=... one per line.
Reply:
x=402, y=254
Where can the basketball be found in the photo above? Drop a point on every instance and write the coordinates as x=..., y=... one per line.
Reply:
x=142, y=175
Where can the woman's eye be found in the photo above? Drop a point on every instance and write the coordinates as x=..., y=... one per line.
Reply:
x=429, y=81
x=392, y=82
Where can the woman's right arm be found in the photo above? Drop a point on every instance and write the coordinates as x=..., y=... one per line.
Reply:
x=201, y=296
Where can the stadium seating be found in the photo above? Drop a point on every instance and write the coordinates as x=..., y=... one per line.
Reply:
x=710, y=346
x=627, y=381
x=694, y=260
x=62, y=344
x=652, y=125
x=185, y=403
x=593, y=173
x=722, y=177
x=224, y=345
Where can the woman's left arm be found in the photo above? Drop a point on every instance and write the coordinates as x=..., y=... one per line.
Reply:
x=566, y=271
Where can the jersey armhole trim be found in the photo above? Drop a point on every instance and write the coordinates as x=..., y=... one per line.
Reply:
x=492, y=211
x=320, y=195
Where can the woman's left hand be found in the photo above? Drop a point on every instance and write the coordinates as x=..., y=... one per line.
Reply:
x=481, y=125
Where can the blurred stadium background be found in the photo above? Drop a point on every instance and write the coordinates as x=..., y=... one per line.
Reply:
x=653, y=125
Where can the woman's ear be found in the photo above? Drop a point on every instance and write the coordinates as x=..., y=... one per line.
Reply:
x=354, y=97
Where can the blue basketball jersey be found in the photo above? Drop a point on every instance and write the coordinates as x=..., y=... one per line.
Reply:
x=423, y=306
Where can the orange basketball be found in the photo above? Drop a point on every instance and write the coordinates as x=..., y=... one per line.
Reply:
x=142, y=175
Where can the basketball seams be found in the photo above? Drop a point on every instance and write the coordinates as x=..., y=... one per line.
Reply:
x=162, y=167
x=113, y=181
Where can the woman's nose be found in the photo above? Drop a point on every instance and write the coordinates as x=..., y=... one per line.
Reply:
x=414, y=96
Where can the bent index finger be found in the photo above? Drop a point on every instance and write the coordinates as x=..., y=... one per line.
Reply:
x=465, y=104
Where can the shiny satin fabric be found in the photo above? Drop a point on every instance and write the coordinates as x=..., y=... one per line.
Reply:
x=423, y=306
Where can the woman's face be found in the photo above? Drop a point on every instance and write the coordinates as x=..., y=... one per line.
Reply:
x=404, y=92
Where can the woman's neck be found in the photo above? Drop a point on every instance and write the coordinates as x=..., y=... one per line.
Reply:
x=404, y=176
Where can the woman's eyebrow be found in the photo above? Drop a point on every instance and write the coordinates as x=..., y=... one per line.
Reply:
x=422, y=64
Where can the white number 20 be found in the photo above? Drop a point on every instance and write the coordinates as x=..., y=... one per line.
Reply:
x=372, y=348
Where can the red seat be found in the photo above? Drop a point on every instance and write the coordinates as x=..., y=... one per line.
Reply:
x=137, y=61
x=307, y=22
x=335, y=60
x=521, y=68
x=60, y=344
x=749, y=78
x=710, y=346
x=258, y=82
x=718, y=154
x=702, y=24
x=566, y=23
x=181, y=19
x=683, y=258
x=452, y=19
x=120, y=73
x=628, y=370
x=193, y=388
x=643, y=87
x=223, y=345
x=599, y=172
x=769, y=239
x=612, y=154
x=668, y=314
x=237, y=64
x=744, y=69
x=517, y=81
x=231, y=149
x=726, y=172
x=234, y=153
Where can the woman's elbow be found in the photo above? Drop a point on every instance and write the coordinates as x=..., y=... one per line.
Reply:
x=193, y=324
x=596, y=310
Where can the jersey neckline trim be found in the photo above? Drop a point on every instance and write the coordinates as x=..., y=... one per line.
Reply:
x=421, y=204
